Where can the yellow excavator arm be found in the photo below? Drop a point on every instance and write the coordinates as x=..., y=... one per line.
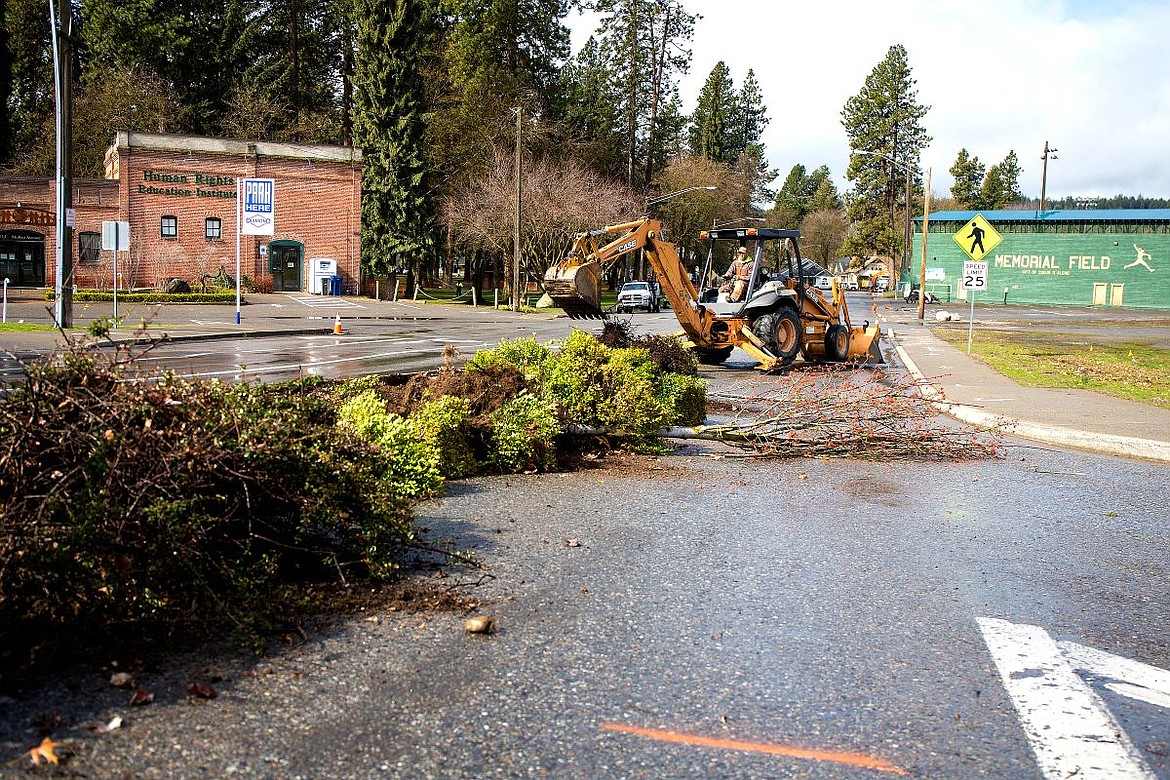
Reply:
x=574, y=284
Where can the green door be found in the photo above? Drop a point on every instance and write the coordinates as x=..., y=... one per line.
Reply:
x=284, y=263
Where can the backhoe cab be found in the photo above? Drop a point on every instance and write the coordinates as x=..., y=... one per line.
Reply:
x=781, y=315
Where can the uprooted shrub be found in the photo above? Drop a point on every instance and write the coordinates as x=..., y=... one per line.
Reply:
x=182, y=505
x=128, y=504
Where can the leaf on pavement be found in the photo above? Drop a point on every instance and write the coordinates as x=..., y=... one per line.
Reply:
x=201, y=691
x=44, y=751
x=141, y=698
x=483, y=624
x=122, y=680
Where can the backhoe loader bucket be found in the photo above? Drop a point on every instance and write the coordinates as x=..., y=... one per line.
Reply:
x=863, y=345
x=575, y=288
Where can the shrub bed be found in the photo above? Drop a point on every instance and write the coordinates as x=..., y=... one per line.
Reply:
x=181, y=506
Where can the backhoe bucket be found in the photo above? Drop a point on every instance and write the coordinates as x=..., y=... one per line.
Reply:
x=863, y=345
x=575, y=288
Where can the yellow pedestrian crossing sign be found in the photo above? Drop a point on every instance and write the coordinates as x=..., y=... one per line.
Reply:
x=977, y=237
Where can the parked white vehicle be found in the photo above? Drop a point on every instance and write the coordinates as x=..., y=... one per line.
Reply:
x=638, y=295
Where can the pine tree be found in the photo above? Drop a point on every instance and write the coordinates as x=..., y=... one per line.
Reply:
x=750, y=117
x=714, y=122
x=645, y=44
x=388, y=126
x=29, y=84
x=968, y=173
x=883, y=120
x=1005, y=190
x=297, y=62
x=826, y=197
x=590, y=94
x=5, y=89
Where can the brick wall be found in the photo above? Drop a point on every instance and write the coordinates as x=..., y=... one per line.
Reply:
x=317, y=201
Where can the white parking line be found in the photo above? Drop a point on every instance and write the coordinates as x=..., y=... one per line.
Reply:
x=325, y=302
x=1072, y=732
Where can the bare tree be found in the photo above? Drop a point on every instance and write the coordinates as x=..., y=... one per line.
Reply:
x=822, y=235
x=560, y=198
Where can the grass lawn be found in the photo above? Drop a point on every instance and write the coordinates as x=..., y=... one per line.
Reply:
x=1133, y=371
x=23, y=327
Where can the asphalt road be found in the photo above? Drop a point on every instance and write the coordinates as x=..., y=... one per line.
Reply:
x=696, y=615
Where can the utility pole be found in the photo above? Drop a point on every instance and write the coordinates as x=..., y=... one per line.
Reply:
x=1048, y=154
x=516, y=227
x=61, y=17
x=922, y=267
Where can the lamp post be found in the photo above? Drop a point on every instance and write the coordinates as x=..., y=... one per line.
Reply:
x=909, y=171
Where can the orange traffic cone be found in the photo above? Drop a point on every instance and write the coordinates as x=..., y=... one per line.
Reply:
x=337, y=331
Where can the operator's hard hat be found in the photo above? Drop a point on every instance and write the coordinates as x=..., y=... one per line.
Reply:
x=741, y=251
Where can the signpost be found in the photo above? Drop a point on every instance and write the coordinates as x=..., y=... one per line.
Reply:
x=116, y=237
x=974, y=280
x=255, y=216
x=976, y=238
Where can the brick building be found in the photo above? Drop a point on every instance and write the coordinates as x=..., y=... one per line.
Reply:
x=178, y=194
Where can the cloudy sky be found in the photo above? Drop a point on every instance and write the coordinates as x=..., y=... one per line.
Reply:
x=1090, y=77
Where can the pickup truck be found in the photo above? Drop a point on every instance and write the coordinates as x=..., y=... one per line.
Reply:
x=638, y=295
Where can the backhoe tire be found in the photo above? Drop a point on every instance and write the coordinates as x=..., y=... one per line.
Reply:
x=837, y=344
x=780, y=331
x=713, y=356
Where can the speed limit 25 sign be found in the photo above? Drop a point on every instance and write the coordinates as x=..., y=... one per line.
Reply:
x=974, y=275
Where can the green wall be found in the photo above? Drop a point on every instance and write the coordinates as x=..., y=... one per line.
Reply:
x=1054, y=268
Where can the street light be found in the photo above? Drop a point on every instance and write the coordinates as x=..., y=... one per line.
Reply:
x=909, y=171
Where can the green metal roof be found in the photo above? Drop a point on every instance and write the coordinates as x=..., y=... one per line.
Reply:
x=1071, y=215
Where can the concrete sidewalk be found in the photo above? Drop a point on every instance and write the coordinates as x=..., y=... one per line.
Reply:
x=969, y=390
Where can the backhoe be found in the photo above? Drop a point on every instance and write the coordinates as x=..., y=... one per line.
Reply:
x=782, y=315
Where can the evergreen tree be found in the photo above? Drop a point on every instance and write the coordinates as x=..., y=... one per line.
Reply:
x=645, y=44
x=826, y=197
x=995, y=189
x=798, y=196
x=714, y=123
x=298, y=49
x=749, y=116
x=388, y=126
x=1001, y=188
x=749, y=120
x=5, y=89
x=180, y=43
x=968, y=173
x=28, y=83
x=590, y=94
x=883, y=120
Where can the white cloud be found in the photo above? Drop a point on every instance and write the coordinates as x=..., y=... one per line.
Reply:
x=1091, y=77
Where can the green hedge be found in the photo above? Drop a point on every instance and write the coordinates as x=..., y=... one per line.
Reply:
x=91, y=296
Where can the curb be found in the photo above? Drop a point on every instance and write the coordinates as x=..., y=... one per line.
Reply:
x=1102, y=443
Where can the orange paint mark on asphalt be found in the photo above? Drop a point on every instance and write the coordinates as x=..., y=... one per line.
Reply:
x=851, y=759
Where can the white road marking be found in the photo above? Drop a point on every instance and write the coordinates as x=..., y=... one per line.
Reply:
x=325, y=302
x=309, y=364
x=1134, y=679
x=1072, y=732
